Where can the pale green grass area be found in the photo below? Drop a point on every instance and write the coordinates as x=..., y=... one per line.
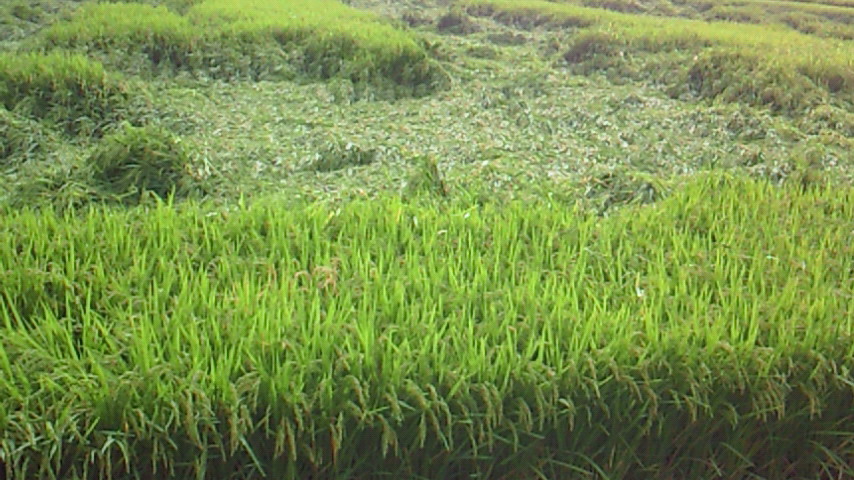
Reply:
x=840, y=3
x=768, y=66
x=824, y=19
x=481, y=134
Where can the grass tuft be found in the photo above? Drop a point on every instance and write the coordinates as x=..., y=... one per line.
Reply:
x=590, y=43
x=70, y=90
x=427, y=177
x=136, y=160
x=733, y=76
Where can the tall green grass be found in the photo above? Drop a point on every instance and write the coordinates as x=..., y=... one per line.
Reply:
x=254, y=39
x=765, y=64
x=709, y=336
x=158, y=33
x=74, y=92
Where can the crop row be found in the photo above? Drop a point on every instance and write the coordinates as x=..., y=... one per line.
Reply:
x=708, y=336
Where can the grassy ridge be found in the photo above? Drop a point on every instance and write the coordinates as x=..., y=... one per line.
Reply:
x=756, y=64
x=414, y=339
x=257, y=39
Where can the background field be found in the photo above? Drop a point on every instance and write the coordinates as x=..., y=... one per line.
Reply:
x=426, y=239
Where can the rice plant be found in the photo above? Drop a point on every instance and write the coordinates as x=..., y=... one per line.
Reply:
x=70, y=90
x=825, y=19
x=709, y=336
x=254, y=39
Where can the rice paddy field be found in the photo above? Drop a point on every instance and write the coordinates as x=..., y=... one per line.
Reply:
x=427, y=239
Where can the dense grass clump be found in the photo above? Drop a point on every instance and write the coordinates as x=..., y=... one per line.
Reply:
x=333, y=39
x=707, y=337
x=733, y=76
x=127, y=29
x=258, y=39
x=136, y=160
x=70, y=90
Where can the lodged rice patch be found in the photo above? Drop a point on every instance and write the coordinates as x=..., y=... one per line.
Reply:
x=22, y=139
x=254, y=39
x=754, y=64
x=711, y=333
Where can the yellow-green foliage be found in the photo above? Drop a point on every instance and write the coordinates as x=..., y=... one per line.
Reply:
x=327, y=31
x=321, y=38
x=159, y=33
x=816, y=19
x=59, y=86
x=400, y=340
x=843, y=13
x=757, y=57
x=834, y=21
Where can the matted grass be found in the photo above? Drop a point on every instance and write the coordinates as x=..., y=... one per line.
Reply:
x=22, y=18
x=22, y=139
x=707, y=337
x=755, y=64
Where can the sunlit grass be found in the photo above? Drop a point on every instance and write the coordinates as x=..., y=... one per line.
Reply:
x=415, y=338
x=260, y=38
x=69, y=89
